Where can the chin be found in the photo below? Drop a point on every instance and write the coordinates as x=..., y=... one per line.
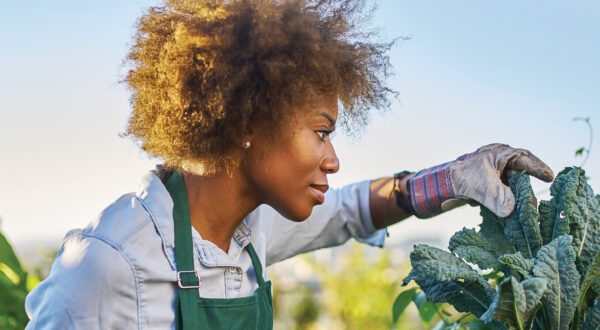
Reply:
x=294, y=208
x=297, y=215
x=297, y=218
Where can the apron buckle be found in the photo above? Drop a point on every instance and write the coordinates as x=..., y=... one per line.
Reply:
x=188, y=286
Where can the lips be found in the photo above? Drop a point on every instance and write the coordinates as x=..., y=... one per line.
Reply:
x=319, y=191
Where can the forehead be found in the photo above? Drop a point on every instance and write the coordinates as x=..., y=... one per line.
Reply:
x=326, y=107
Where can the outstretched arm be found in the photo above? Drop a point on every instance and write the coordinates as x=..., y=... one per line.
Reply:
x=385, y=210
x=476, y=178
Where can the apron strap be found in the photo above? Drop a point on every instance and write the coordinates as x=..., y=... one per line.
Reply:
x=188, y=280
x=256, y=264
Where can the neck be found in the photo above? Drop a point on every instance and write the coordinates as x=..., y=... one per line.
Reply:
x=218, y=204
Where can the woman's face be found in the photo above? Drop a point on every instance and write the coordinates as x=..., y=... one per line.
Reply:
x=287, y=167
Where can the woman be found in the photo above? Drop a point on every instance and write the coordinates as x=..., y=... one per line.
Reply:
x=239, y=99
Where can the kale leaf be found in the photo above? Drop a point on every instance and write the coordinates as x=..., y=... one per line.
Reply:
x=547, y=258
x=446, y=278
x=555, y=262
x=522, y=226
x=516, y=303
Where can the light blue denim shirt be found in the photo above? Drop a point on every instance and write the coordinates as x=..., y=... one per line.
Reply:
x=119, y=272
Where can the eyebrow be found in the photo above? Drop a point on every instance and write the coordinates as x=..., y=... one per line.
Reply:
x=331, y=120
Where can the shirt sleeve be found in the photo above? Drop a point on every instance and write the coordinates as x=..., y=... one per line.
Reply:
x=345, y=214
x=90, y=286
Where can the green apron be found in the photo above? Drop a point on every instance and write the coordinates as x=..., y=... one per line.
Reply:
x=194, y=312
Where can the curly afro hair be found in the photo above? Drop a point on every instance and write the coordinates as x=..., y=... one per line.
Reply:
x=204, y=72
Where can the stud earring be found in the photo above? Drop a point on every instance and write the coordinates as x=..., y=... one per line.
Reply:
x=246, y=145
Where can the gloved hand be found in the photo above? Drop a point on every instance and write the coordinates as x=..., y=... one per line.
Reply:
x=478, y=177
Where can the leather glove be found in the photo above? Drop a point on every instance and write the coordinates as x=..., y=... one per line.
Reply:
x=478, y=177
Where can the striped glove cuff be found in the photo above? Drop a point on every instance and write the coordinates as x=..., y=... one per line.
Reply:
x=429, y=188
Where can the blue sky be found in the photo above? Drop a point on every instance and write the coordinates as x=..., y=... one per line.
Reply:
x=472, y=73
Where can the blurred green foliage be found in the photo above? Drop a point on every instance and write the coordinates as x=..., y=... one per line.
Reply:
x=15, y=283
x=360, y=292
x=355, y=289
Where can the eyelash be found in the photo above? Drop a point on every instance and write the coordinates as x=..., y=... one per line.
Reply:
x=323, y=134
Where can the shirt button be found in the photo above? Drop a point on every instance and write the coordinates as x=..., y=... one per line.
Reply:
x=232, y=270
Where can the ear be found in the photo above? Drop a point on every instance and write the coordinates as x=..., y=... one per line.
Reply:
x=245, y=139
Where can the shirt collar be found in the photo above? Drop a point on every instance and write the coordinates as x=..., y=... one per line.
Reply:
x=157, y=201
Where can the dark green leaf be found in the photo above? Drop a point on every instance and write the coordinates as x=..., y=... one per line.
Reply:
x=12, y=300
x=484, y=247
x=480, y=325
x=582, y=211
x=579, y=151
x=9, y=258
x=402, y=302
x=477, y=325
x=596, y=287
x=548, y=218
x=474, y=248
x=555, y=222
x=465, y=296
x=445, y=278
x=492, y=228
x=573, y=210
x=435, y=264
x=427, y=309
x=568, y=225
x=592, y=275
x=518, y=264
x=13, y=288
x=555, y=262
x=516, y=303
x=522, y=226
x=592, y=322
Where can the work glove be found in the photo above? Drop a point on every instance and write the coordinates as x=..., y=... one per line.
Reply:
x=477, y=178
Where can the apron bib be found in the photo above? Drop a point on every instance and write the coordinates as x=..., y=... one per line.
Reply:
x=194, y=312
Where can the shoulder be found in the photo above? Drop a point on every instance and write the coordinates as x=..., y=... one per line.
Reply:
x=100, y=269
x=94, y=259
x=89, y=281
x=116, y=223
x=118, y=219
x=145, y=212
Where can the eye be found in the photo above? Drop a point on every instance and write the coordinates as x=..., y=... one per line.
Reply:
x=323, y=134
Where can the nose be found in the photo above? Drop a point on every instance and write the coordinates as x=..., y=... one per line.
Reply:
x=330, y=163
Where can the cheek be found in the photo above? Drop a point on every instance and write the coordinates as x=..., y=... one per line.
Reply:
x=285, y=172
x=292, y=169
x=304, y=157
x=287, y=164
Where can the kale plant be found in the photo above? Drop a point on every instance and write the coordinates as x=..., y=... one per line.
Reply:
x=547, y=258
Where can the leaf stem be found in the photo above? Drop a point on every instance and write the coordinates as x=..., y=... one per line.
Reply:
x=536, y=319
x=591, y=129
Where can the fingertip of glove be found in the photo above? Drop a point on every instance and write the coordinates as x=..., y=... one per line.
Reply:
x=548, y=176
x=505, y=211
x=508, y=204
x=539, y=169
